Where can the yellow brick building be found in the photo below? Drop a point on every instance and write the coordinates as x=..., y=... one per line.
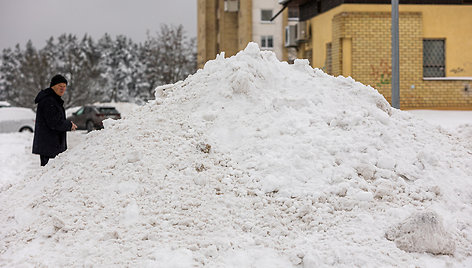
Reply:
x=354, y=40
x=223, y=25
x=229, y=25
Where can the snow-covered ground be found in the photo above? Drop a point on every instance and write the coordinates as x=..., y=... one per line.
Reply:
x=250, y=162
x=447, y=119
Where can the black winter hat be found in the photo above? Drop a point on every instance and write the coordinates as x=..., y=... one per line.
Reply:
x=57, y=79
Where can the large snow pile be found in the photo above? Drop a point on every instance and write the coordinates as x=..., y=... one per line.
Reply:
x=250, y=162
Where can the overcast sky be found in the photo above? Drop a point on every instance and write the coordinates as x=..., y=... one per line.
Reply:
x=21, y=20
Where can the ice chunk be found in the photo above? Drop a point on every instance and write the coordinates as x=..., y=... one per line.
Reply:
x=422, y=232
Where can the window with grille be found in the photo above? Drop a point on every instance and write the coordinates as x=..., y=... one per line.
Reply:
x=266, y=15
x=433, y=58
x=267, y=41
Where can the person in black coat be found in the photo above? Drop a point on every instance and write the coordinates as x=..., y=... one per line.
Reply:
x=51, y=124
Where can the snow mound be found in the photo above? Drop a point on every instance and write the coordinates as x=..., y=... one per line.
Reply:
x=248, y=162
x=422, y=232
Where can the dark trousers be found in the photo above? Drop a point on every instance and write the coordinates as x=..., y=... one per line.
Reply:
x=44, y=159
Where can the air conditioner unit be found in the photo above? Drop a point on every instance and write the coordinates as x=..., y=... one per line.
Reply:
x=231, y=5
x=302, y=31
x=290, y=36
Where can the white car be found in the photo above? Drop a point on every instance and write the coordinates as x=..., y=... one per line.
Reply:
x=4, y=104
x=16, y=119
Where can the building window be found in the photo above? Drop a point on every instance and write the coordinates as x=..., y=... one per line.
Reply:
x=293, y=13
x=329, y=59
x=266, y=15
x=433, y=58
x=267, y=42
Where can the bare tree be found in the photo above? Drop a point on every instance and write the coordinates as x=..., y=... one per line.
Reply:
x=170, y=56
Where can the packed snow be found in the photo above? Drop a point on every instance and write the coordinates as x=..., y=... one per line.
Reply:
x=447, y=119
x=250, y=162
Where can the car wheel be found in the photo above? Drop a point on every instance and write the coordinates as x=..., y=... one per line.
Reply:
x=24, y=129
x=90, y=126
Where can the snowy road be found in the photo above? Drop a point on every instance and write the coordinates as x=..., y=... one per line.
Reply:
x=16, y=159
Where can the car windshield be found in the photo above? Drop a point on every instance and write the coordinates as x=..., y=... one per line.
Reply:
x=80, y=111
x=107, y=110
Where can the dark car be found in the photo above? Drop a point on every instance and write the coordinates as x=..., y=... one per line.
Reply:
x=91, y=117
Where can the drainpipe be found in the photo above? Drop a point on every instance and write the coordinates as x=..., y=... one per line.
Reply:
x=395, y=57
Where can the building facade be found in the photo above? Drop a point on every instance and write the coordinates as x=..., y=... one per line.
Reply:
x=353, y=38
x=229, y=25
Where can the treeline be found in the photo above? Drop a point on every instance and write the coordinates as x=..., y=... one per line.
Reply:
x=110, y=69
